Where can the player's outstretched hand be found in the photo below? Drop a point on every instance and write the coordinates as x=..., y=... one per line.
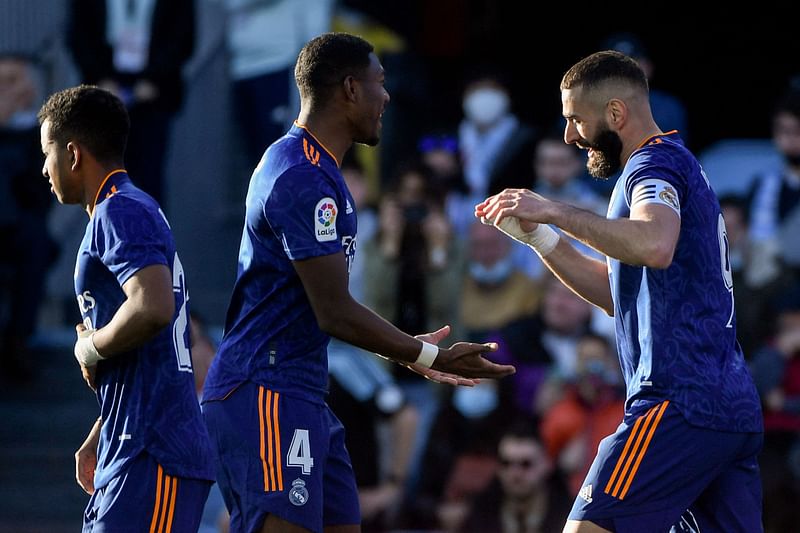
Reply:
x=438, y=376
x=466, y=359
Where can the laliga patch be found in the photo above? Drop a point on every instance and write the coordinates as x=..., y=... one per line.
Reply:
x=298, y=494
x=655, y=191
x=325, y=220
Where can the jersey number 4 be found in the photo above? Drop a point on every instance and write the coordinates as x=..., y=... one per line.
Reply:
x=299, y=453
x=725, y=261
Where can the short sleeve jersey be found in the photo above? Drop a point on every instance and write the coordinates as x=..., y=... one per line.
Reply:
x=676, y=327
x=298, y=207
x=147, y=396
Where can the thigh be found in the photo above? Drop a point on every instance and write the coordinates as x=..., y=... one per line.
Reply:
x=651, y=470
x=146, y=498
x=271, y=453
x=341, y=493
x=732, y=502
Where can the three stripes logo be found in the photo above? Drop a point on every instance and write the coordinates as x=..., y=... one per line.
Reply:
x=586, y=493
x=312, y=154
x=270, y=439
x=633, y=452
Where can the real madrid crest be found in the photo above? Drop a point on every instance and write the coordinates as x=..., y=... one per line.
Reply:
x=298, y=494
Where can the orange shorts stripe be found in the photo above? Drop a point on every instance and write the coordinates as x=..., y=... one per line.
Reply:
x=172, y=504
x=633, y=453
x=270, y=461
x=660, y=413
x=163, y=512
x=277, y=428
x=156, y=506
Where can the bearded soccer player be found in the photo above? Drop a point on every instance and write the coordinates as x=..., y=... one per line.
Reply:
x=684, y=456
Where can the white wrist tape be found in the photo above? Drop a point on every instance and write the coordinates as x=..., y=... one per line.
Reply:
x=543, y=239
x=427, y=354
x=86, y=352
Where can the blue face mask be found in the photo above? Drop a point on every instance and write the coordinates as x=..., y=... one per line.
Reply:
x=477, y=401
x=493, y=275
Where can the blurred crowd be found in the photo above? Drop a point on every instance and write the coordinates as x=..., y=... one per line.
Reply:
x=503, y=456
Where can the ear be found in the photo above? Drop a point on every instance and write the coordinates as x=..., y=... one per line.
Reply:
x=75, y=155
x=349, y=85
x=616, y=112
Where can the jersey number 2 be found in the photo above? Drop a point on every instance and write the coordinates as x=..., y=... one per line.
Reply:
x=724, y=256
x=180, y=328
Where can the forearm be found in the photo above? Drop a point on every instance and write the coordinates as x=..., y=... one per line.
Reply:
x=358, y=325
x=93, y=438
x=634, y=242
x=585, y=276
x=131, y=326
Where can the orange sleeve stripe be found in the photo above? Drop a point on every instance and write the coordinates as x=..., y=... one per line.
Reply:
x=158, y=500
x=662, y=408
x=278, y=461
x=172, y=504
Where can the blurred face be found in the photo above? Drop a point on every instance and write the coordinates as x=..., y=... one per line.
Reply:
x=556, y=163
x=487, y=246
x=57, y=168
x=17, y=90
x=735, y=224
x=563, y=311
x=373, y=99
x=587, y=128
x=786, y=133
x=524, y=466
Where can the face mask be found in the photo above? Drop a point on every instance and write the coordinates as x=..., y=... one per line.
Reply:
x=493, y=275
x=485, y=106
x=477, y=401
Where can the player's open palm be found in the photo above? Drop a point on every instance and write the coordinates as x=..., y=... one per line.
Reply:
x=466, y=359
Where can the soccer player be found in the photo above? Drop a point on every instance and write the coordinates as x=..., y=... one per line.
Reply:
x=281, y=461
x=685, y=453
x=146, y=461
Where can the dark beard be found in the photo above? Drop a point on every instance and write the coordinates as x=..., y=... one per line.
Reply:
x=607, y=159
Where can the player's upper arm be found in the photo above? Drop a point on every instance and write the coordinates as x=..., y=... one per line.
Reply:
x=325, y=281
x=150, y=291
x=660, y=237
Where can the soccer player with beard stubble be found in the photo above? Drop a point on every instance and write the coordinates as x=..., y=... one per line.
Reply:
x=684, y=456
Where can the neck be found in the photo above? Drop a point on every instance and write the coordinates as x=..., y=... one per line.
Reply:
x=94, y=181
x=329, y=128
x=634, y=139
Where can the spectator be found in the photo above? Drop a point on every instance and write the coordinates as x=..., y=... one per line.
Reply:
x=774, y=199
x=28, y=249
x=264, y=38
x=590, y=408
x=528, y=495
x=136, y=49
x=495, y=144
x=558, y=167
x=776, y=370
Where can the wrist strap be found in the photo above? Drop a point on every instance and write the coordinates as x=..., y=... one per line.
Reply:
x=86, y=352
x=543, y=239
x=427, y=354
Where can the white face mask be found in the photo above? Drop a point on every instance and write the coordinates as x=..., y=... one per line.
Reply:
x=493, y=275
x=485, y=106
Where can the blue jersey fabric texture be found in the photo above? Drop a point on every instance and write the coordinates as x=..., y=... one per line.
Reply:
x=298, y=207
x=676, y=327
x=147, y=396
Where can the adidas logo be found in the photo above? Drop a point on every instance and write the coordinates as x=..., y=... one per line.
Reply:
x=586, y=493
x=348, y=208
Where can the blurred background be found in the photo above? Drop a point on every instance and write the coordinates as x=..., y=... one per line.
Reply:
x=475, y=108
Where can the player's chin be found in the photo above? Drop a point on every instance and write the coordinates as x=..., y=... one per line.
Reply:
x=372, y=140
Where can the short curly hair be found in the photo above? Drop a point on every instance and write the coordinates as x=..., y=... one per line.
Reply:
x=91, y=116
x=326, y=60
